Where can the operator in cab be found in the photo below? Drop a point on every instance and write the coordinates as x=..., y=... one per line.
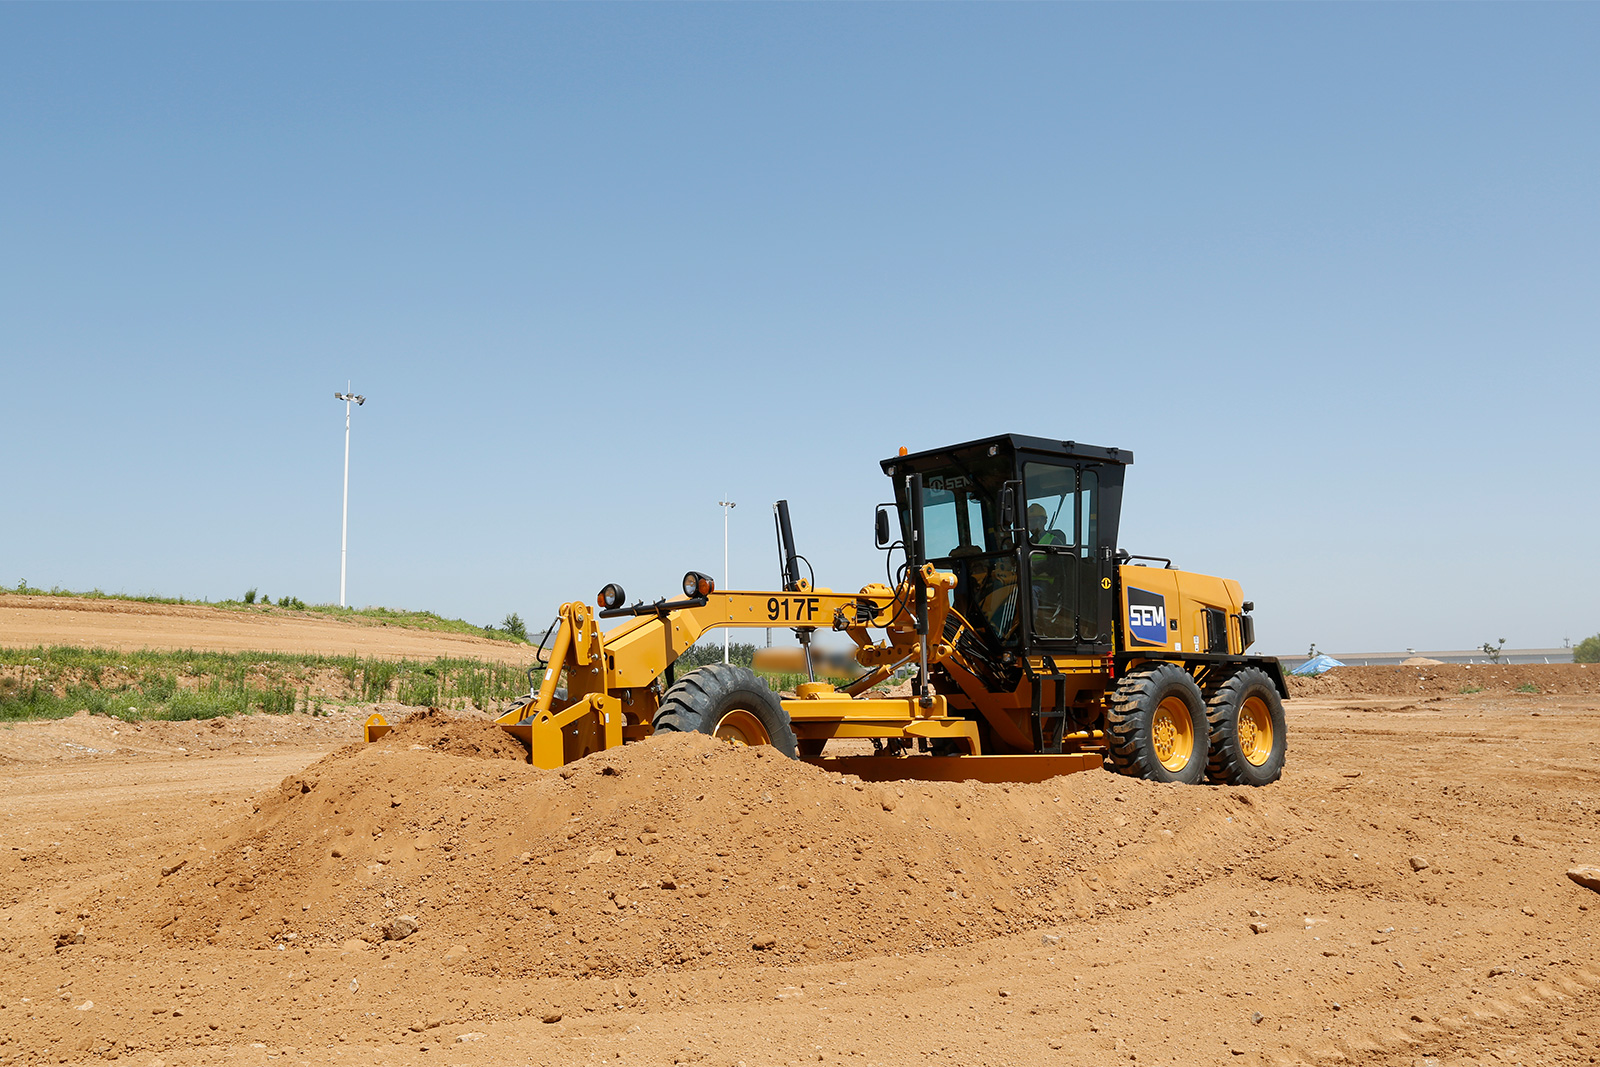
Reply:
x=1037, y=534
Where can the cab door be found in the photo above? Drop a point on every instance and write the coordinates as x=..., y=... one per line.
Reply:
x=1096, y=565
x=1068, y=570
x=1049, y=519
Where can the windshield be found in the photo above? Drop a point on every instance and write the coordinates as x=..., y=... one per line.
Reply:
x=959, y=505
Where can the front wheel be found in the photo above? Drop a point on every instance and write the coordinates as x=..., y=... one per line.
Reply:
x=1156, y=726
x=727, y=702
x=1247, y=730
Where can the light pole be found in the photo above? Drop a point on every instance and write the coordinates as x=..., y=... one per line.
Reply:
x=726, y=506
x=344, y=533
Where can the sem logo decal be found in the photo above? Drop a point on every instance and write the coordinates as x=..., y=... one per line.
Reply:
x=1147, y=616
x=946, y=483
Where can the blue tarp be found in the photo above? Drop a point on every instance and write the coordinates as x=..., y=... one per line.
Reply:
x=1317, y=664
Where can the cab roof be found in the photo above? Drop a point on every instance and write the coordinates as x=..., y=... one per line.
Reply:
x=1021, y=442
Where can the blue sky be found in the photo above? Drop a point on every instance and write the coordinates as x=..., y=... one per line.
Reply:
x=1329, y=271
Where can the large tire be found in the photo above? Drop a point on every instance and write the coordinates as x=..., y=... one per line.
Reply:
x=1248, y=737
x=729, y=702
x=1156, y=726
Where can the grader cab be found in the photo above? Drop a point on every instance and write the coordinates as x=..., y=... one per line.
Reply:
x=1037, y=646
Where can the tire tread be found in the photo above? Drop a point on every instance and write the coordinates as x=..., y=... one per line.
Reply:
x=1128, y=712
x=689, y=705
x=1226, y=765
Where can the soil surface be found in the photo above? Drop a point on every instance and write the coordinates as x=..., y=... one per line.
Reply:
x=1451, y=679
x=265, y=891
x=129, y=625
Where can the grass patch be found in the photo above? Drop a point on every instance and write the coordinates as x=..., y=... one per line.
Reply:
x=1528, y=687
x=413, y=620
x=511, y=629
x=54, y=682
x=777, y=682
x=22, y=588
x=1466, y=689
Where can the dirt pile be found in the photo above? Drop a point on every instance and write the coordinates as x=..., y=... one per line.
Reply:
x=1450, y=679
x=681, y=851
x=431, y=729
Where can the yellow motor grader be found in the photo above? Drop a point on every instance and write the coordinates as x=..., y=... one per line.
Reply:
x=1037, y=647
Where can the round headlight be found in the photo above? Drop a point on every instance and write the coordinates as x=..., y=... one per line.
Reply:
x=697, y=584
x=612, y=596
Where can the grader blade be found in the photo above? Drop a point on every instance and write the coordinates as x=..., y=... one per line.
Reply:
x=992, y=769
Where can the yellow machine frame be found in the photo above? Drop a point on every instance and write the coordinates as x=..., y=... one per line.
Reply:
x=614, y=682
x=995, y=701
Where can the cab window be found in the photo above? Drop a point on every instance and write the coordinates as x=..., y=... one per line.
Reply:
x=1051, y=509
x=1088, y=510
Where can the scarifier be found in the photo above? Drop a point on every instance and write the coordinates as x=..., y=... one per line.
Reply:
x=1038, y=646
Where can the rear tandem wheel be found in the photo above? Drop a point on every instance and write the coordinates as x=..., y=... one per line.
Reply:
x=1156, y=726
x=1247, y=730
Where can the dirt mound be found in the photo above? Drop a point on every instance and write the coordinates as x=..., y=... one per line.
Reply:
x=683, y=851
x=453, y=735
x=1450, y=679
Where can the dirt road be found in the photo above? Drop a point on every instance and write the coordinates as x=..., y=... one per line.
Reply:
x=124, y=625
x=1085, y=921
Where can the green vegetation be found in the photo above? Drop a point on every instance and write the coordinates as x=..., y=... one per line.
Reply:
x=54, y=682
x=411, y=620
x=1492, y=650
x=1527, y=687
x=22, y=588
x=512, y=629
x=740, y=655
x=1470, y=689
x=1587, y=650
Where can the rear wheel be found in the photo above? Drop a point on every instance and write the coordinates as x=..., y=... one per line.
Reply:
x=1156, y=726
x=1247, y=730
x=731, y=703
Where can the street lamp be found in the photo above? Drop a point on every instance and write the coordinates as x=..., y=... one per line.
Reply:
x=344, y=533
x=726, y=506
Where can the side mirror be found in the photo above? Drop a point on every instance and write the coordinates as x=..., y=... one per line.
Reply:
x=881, y=527
x=1008, y=508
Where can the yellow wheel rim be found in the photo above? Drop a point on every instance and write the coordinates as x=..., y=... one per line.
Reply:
x=1172, y=733
x=1255, y=731
x=742, y=728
